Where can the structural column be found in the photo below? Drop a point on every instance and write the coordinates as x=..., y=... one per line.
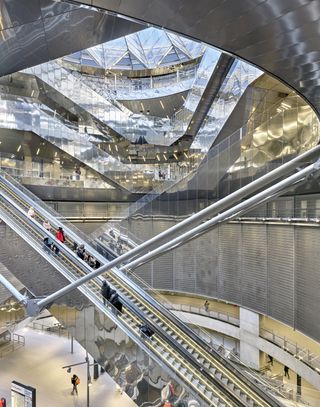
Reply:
x=249, y=337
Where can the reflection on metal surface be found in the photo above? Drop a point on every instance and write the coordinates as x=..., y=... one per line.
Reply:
x=33, y=32
x=133, y=370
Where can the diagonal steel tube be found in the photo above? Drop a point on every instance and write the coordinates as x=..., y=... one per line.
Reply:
x=10, y=287
x=277, y=188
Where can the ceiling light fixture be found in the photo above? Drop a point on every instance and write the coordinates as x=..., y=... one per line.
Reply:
x=38, y=151
x=19, y=148
x=161, y=104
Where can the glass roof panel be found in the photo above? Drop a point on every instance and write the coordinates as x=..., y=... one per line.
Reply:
x=149, y=48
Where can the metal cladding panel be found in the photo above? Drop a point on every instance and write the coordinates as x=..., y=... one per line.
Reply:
x=280, y=284
x=307, y=281
x=254, y=267
x=159, y=226
x=144, y=273
x=184, y=268
x=229, y=275
x=140, y=228
x=163, y=265
x=163, y=272
x=32, y=270
x=206, y=252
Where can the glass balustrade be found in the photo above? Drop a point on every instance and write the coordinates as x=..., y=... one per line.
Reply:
x=124, y=88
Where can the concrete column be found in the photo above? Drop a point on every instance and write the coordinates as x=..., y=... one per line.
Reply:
x=55, y=172
x=249, y=336
x=27, y=164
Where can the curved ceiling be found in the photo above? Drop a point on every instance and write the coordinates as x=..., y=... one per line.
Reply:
x=280, y=36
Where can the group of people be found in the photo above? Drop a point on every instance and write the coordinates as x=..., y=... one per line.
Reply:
x=85, y=256
x=111, y=295
x=48, y=243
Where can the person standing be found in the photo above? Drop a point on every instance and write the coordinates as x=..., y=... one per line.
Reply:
x=31, y=212
x=105, y=292
x=75, y=381
x=270, y=359
x=206, y=306
x=60, y=235
x=286, y=372
x=81, y=252
x=46, y=225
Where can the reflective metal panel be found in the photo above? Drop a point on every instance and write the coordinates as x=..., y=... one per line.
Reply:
x=34, y=31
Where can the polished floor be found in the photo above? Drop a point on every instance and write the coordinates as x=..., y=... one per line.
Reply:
x=39, y=364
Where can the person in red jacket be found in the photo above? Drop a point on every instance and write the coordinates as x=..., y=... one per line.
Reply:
x=60, y=235
x=3, y=402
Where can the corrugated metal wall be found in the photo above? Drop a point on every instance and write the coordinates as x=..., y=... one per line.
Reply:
x=272, y=269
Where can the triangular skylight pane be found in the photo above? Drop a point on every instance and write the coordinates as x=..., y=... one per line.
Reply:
x=135, y=48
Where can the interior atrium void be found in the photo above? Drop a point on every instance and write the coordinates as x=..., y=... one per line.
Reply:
x=159, y=203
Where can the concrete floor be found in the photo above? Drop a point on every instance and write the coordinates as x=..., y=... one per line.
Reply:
x=39, y=364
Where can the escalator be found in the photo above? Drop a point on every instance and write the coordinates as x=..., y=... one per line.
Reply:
x=206, y=374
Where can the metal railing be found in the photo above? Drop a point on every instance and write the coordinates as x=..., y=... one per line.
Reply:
x=301, y=353
x=221, y=316
x=11, y=342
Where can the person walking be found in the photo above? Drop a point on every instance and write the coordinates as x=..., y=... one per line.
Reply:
x=270, y=360
x=60, y=235
x=206, y=306
x=75, y=381
x=286, y=372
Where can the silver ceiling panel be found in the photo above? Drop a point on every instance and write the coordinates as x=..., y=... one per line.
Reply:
x=280, y=36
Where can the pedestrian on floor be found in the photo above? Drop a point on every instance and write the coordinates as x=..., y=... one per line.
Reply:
x=75, y=381
x=60, y=235
x=286, y=372
x=270, y=360
x=206, y=305
x=31, y=212
x=3, y=402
